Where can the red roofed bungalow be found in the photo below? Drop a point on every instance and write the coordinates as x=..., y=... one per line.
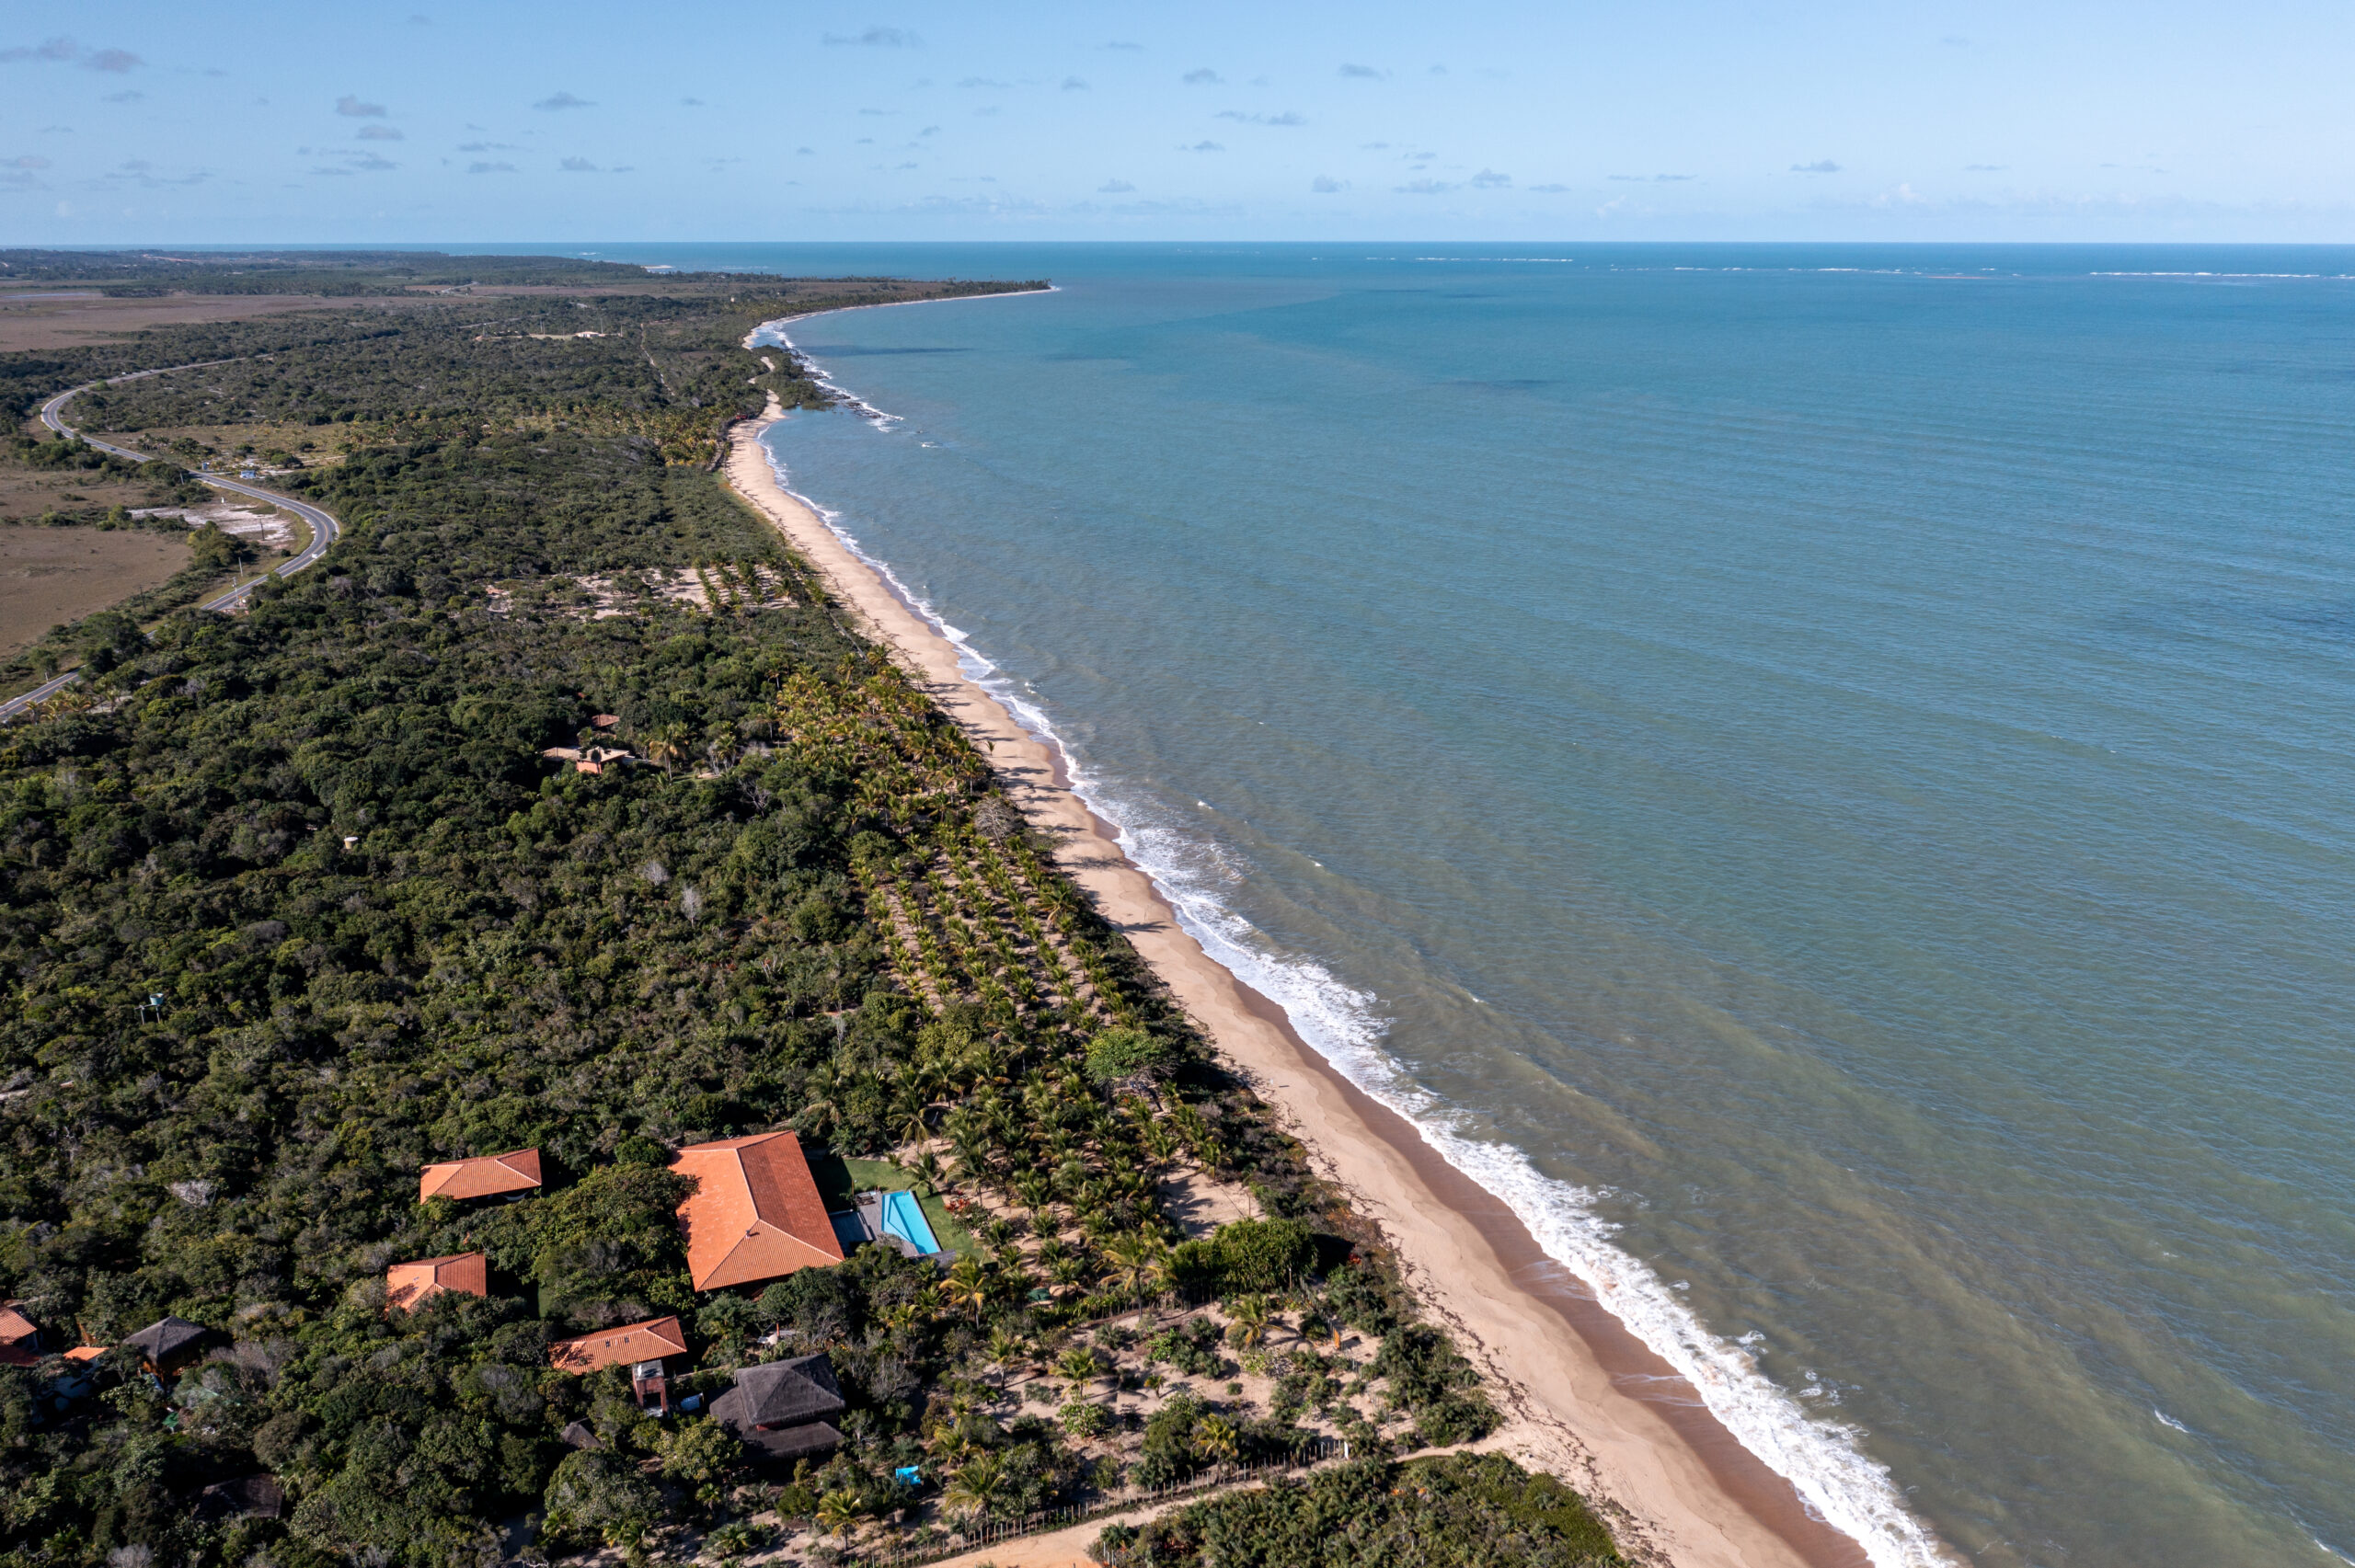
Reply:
x=648, y=1341
x=639, y=1346
x=486, y=1175
x=19, y=1339
x=755, y=1214
x=412, y=1285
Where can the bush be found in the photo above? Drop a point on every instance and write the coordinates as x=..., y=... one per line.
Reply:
x=597, y=1497
x=1260, y=1255
x=1124, y=1052
x=1431, y=1382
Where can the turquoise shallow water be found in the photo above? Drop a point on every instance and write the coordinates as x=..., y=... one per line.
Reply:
x=1822, y=774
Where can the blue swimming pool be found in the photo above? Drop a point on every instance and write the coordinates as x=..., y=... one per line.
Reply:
x=903, y=1218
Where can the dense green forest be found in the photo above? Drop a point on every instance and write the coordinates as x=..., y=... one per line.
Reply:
x=292, y=904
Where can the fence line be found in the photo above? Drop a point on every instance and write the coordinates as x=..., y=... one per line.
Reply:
x=1316, y=1451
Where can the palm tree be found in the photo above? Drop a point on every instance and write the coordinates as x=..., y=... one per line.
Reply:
x=966, y=1285
x=1214, y=1439
x=1005, y=1352
x=721, y=742
x=668, y=746
x=975, y=1486
x=1079, y=1366
x=838, y=1512
x=928, y=1166
x=1247, y=1321
x=1136, y=1262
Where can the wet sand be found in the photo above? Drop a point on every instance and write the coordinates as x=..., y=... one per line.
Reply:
x=1584, y=1398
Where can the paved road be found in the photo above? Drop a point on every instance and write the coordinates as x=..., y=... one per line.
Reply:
x=324, y=527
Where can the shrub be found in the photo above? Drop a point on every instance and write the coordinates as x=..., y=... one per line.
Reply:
x=1262, y=1255
x=1124, y=1052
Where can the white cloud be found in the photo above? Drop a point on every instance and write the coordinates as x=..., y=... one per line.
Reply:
x=351, y=108
x=565, y=100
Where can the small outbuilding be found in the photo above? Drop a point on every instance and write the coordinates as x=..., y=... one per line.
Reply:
x=169, y=1343
x=755, y=1214
x=19, y=1336
x=486, y=1175
x=251, y=1497
x=642, y=1347
x=780, y=1408
x=649, y=1340
x=409, y=1286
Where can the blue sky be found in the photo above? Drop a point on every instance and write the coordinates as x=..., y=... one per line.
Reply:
x=587, y=121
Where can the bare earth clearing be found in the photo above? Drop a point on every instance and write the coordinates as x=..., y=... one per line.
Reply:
x=28, y=321
x=50, y=575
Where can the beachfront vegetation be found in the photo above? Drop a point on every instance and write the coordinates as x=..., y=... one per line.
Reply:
x=1459, y=1511
x=292, y=904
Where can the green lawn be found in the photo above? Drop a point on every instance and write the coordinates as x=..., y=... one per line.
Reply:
x=882, y=1175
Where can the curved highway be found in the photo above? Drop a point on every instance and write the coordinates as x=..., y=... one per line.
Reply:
x=325, y=529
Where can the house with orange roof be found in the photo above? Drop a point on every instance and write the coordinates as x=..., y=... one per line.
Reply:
x=411, y=1284
x=755, y=1214
x=19, y=1336
x=486, y=1175
x=642, y=1347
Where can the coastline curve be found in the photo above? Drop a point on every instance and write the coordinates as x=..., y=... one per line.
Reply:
x=1808, y=1492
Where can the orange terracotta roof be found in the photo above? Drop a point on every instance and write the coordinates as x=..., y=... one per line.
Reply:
x=755, y=1214
x=85, y=1353
x=412, y=1285
x=516, y=1170
x=648, y=1341
x=19, y=1339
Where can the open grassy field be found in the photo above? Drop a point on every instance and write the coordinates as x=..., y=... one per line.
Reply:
x=53, y=574
x=34, y=492
x=37, y=319
x=67, y=319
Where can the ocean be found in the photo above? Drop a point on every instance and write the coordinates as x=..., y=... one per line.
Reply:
x=1819, y=774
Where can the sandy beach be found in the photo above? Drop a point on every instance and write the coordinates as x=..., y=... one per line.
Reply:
x=1585, y=1398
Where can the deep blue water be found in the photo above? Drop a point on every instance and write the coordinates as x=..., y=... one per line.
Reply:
x=1820, y=774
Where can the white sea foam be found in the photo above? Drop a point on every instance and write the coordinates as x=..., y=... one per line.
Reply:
x=773, y=331
x=1822, y=1459
x=2168, y=1421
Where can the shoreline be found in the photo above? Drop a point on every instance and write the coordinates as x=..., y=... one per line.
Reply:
x=1583, y=1397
